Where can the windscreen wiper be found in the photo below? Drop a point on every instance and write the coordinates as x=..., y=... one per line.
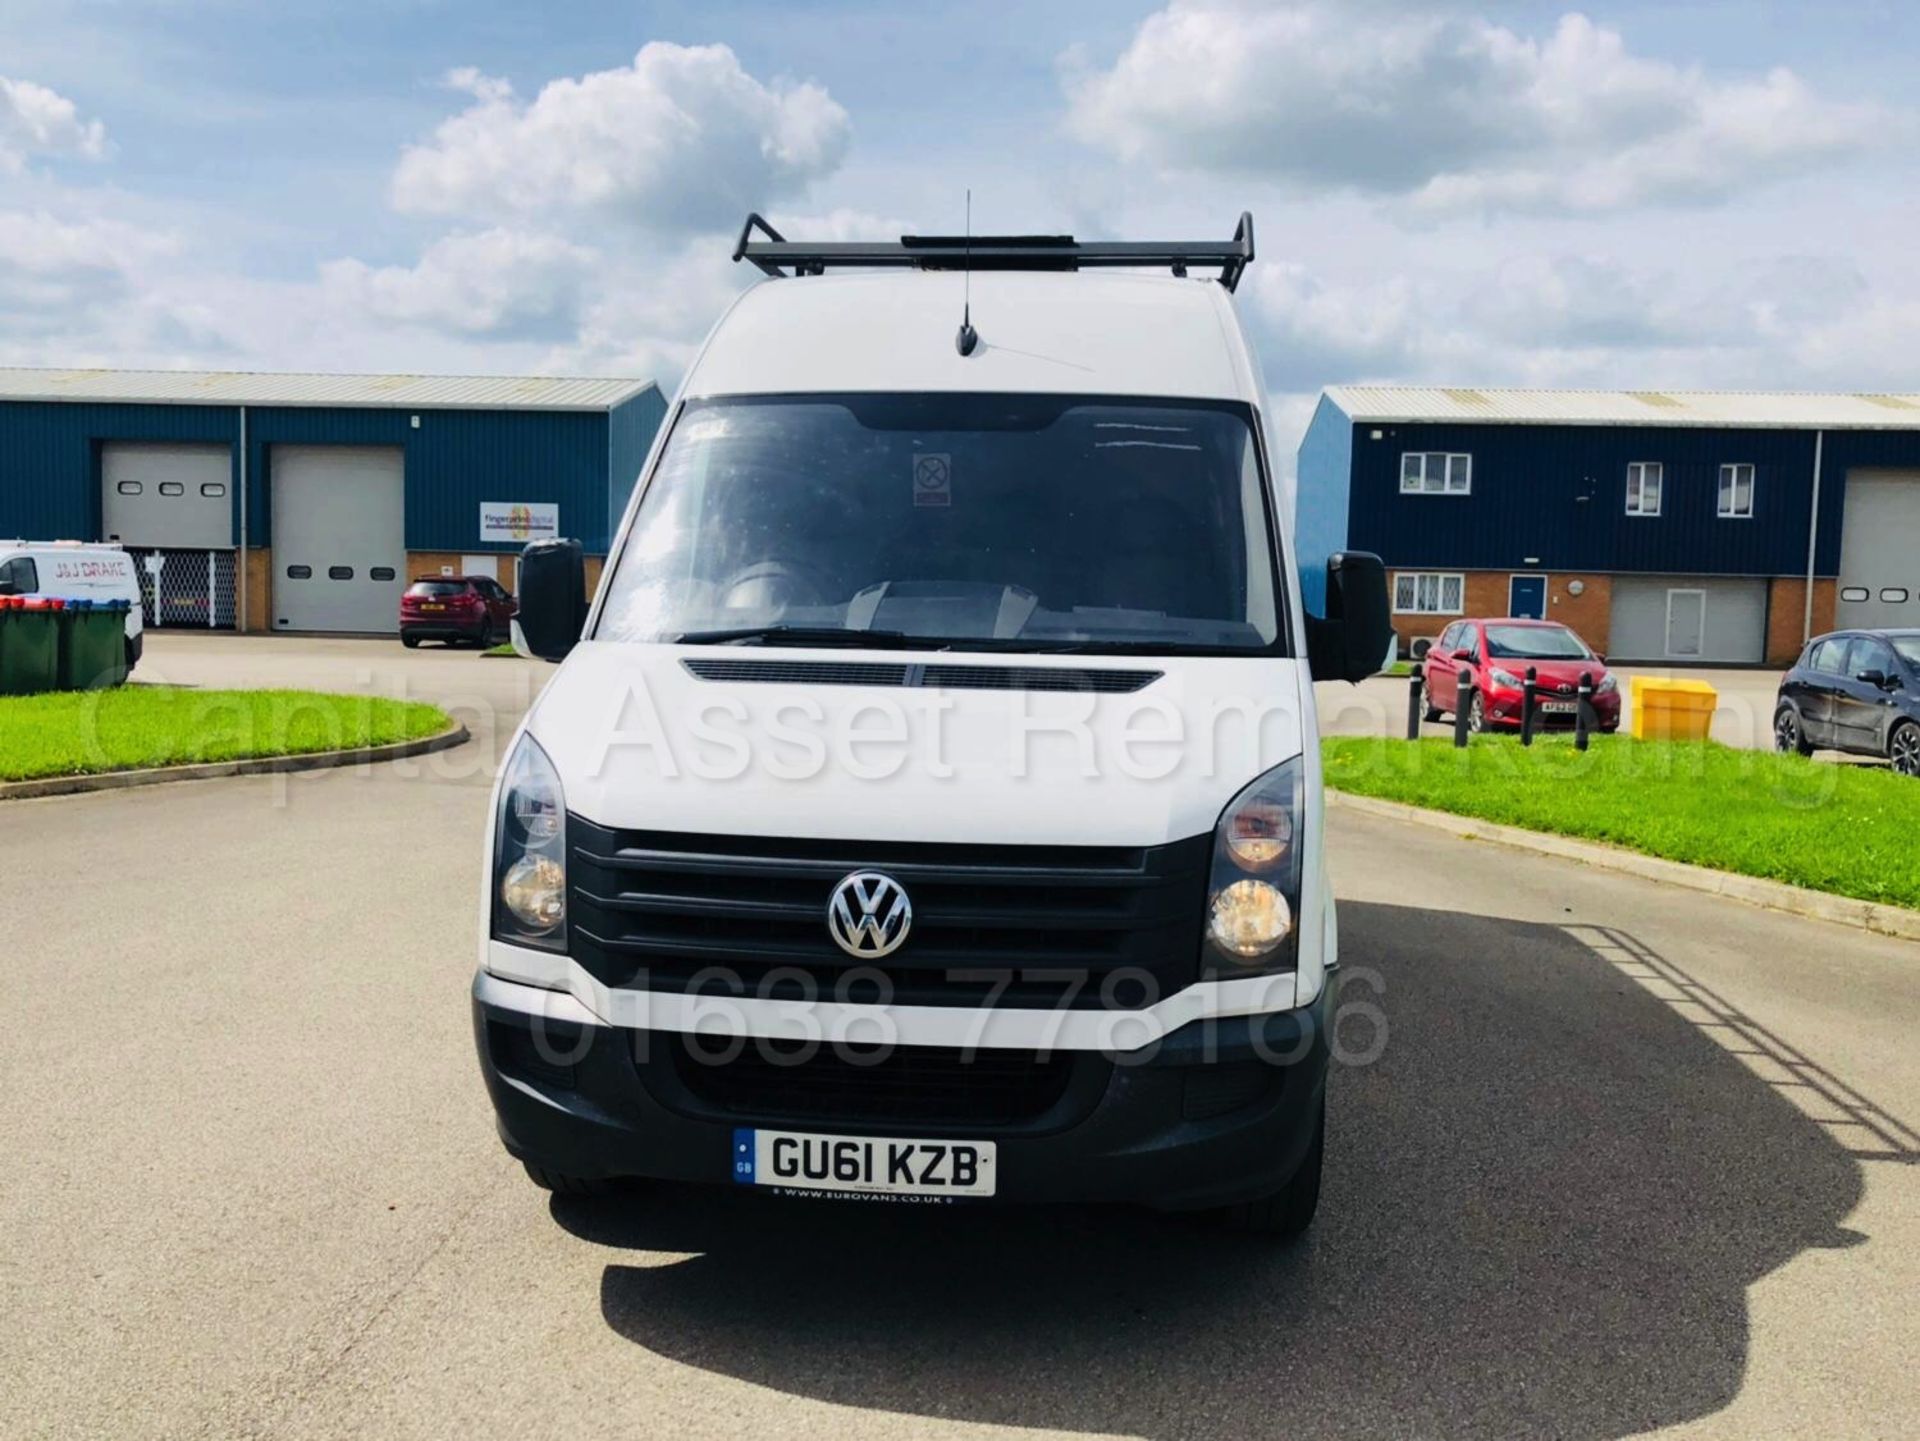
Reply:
x=822, y=635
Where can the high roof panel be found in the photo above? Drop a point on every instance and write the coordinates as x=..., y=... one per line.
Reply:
x=1102, y=332
x=1749, y=409
x=417, y=392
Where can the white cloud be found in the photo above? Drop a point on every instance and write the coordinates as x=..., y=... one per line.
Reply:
x=681, y=139
x=37, y=121
x=1451, y=114
x=51, y=268
x=497, y=282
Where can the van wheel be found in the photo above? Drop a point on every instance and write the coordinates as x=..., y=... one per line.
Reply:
x=1288, y=1211
x=1903, y=748
x=562, y=1184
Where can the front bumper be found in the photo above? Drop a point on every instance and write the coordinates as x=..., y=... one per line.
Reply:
x=1218, y=1111
x=1503, y=709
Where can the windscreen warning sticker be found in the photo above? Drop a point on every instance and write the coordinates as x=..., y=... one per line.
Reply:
x=933, y=480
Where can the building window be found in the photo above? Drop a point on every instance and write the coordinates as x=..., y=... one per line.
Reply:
x=1428, y=592
x=1436, y=472
x=1736, y=492
x=1645, y=480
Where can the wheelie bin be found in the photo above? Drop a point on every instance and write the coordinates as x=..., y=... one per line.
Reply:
x=32, y=651
x=93, y=652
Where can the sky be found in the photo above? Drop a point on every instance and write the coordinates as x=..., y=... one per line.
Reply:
x=1673, y=195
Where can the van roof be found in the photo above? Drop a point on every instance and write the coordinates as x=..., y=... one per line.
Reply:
x=1098, y=333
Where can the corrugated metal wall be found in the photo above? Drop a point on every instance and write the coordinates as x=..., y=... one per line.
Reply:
x=1558, y=493
x=455, y=460
x=50, y=461
x=50, y=458
x=1322, y=497
x=632, y=426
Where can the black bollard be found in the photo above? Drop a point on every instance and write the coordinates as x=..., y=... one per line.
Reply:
x=1583, y=711
x=1413, y=704
x=1527, y=690
x=1462, y=707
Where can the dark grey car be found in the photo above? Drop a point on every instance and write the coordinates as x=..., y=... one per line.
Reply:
x=1856, y=691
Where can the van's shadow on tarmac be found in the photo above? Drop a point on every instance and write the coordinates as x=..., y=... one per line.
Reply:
x=1544, y=1206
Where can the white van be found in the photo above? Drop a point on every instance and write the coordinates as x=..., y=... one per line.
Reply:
x=73, y=569
x=928, y=807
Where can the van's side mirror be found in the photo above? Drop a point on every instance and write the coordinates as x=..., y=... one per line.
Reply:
x=553, y=599
x=1353, y=640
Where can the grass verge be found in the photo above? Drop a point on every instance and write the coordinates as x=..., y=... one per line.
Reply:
x=84, y=732
x=1849, y=830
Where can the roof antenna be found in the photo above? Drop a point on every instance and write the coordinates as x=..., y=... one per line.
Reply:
x=968, y=338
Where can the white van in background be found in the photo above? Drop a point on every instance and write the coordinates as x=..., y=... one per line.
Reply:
x=74, y=570
x=930, y=806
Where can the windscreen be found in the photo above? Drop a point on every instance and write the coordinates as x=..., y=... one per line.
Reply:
x=437, y=589
x=1909, y=648
x=1535, y=642
x=972, y=522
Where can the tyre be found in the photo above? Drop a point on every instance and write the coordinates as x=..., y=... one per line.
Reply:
x=562, y=1184
x=1433, y=713
x=1903, y=748
x=1288, y=1211
x=1477, y=714
x=411, y=642
x=1788, y=734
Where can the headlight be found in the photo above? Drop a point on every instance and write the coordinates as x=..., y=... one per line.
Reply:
x=1605, y=684
x=1505, y=678
x=1254, y=888
x=530, y=853
x=1248, y=919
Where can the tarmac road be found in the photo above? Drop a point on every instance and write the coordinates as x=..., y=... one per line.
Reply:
x=1628, y=1158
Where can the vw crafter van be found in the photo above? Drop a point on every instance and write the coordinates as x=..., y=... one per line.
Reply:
x=927, y=808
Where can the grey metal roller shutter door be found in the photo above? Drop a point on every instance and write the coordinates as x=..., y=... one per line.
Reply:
x=1683, y=620
x=339, y=537
x=1880, y=551
x=170, y=497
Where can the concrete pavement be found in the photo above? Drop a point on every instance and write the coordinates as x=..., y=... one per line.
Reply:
x=1628, y=1158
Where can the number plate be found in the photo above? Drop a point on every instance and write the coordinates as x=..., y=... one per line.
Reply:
x=433, y=607
x=1559, y=707
x=873, y=1165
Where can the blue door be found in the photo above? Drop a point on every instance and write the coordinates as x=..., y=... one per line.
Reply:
x=1527, y=596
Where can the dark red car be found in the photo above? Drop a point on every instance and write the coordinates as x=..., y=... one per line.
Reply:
x=1498, y=653
x=454, y=608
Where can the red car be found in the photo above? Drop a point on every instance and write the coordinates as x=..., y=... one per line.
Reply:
x=453, y=608
x=1498, y=652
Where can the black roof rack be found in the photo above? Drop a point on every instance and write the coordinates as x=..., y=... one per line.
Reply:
x=773, y=252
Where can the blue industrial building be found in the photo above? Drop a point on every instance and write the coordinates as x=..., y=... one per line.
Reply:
x=342, y=486
x=1674, y=527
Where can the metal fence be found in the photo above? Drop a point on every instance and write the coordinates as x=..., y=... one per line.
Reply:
x=181, y=588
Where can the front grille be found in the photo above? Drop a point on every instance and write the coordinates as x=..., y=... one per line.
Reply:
x=938, y=677
x=800, y=672
x=1086, y=926
x=770, y=1082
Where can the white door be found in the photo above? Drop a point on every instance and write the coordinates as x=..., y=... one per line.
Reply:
x=1880, y=552
x=1686, y=623
x=167, y=497
x=339, y=537
x=487, y=565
